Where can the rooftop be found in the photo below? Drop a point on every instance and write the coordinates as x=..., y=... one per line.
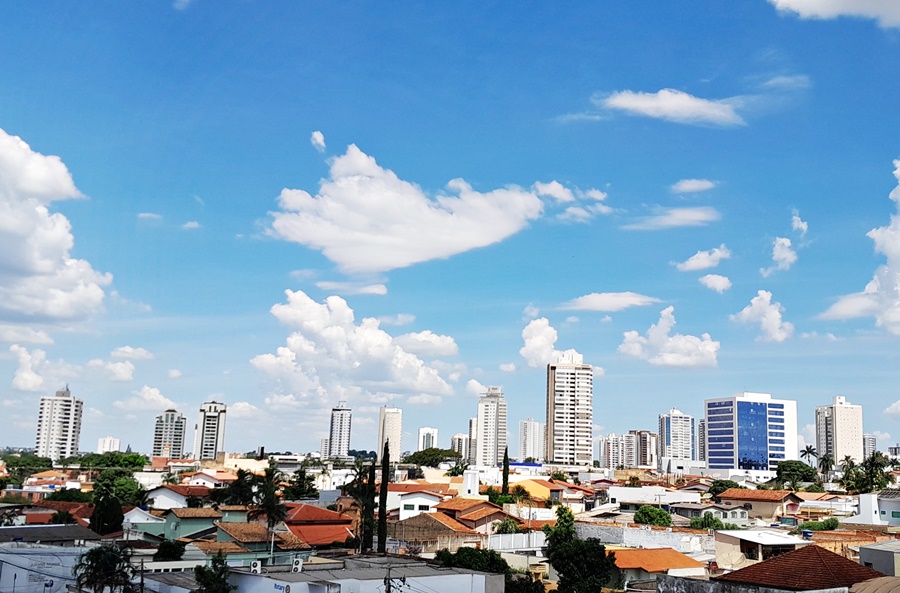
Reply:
x=765, y=537
x=759, y=495
x=654, y=560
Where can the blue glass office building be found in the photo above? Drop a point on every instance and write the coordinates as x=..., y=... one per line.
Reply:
x=750, y=431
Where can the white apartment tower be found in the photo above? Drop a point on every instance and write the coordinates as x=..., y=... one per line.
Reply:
x=676, y=436
x=473, y=440
x=570, y=411
x=531, y=440
x=870, y=445
x=168, y=435
x=108, y=444
x=339, y=436
x=390, y=430
x=209, y=434
x=839, y=430
x=750, y=431
x=615, y=452
x=491, y=427
x=646, y=448
x=58, y=425
x=428, y=438
x=460, y=443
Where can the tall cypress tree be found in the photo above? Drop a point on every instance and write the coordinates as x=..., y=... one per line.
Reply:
x=382, y=499
x=505, y=490
x=368, y=510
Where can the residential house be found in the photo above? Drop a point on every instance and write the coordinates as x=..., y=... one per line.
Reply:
x=418, y=501
x=256, y=538
x=430, y=532
x=768, y=505
x=50, y=535
x=883, y=557
x=542, y=490
x=739, y=548
x=397, y=489
x=641, y=564
x=211, y=478
x=318, y=527
x=189, y=522
x=629, y=498
x=478, y=515
x=725, y=513
x=138, y=521
x=173, y=496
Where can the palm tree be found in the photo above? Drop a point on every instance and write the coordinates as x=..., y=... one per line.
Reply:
x=808, y=453
x=266, y=500
x=105, y=567
x=826, y=462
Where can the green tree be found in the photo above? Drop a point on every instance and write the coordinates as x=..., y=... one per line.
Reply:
x=792, y=472
x=719, y=486
x=266, y=501
x=213, y=579
x=62, y=518
x=22, y=466
x=68, y=495
x=107, y=516
x=169, y=551
x=505, y=489
x=826, y=464
x=458, y=469
x=650, y=515
x=561, y=476
x=105, y=567
x=707, y=521
x=431, y=457
x=301, y=486
x=489, y=561
x=121, y=483
x=382, y=498
x=240, y=491
x=507, y=525
x=583, y=565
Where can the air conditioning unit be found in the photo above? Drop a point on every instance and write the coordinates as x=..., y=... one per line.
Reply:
x=297, y=565
x=256, y=567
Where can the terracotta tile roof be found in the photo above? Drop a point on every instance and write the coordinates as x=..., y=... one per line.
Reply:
x=536, y=524
x=203, y=513
x=213, y=548
x=307, y=513
x=758, y=495
x=432, y=493
x=323, y=534
x=479, y=514
x=546, y=484
x=813, y=495
x=289, y=541
x=654, y=560
x=448, y=521
x=82, y=510
x=461, y=504
x=185, y=490
x=255, y=533
x=804, y=569
x=233, y=507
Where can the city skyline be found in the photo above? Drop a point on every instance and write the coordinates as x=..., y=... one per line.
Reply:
x=402, y=206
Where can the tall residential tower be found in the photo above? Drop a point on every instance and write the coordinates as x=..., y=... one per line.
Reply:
x=339, y=436
x=209, y=434
x=58, y=425
x=491, y=426
x=168, y=435
x=839, y=430
x=570, y=411
x=390, y=429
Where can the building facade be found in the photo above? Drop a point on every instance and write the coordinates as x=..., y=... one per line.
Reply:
x=701, y=440
x=646, y=448
x=108, y=444
x=617, y=451
x=839, y=430
x=676, y=436
x=428, y=438
x=531, y=440
x=390, y=430
x=570, y=411
x=209, y=434
x=460, y=443
x=473, y=440
x=750, y=431
x=168, y=435
x=491, y=427
x=58, y=425
x=870, y=445
x=339, y=436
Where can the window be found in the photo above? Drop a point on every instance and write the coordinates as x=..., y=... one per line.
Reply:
x=409, y=507
x=895, y=514
x=423, y=507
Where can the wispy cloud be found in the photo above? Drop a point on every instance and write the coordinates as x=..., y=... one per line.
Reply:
x=608, y=301
x=690, y=186
x=703, y=260
x=667, y=218
x=885, y=12
x=673, y=105
x=190, y=225
x=149, y=216
x=317, y=139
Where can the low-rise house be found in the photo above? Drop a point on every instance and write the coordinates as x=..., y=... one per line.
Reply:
x=768, y=505
x=725, y=513
x=398, y=489
x=430, y=532
x=174, y=496
x=641, y=564
x=256, y=537
x=318, y=527
x=51, y=535
x=883, y=557
x=739, y=548
x=477, y=515
x=418, y=501
x=189, y=522
x=212, y=478
x=634, y=498
x=542, y=490
x=138, y=521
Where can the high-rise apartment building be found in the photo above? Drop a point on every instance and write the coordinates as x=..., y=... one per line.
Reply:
x=570, y=411
x=701, y=440
x=324, y=447
x=676, y=436
x=108, y=444
x=839, y=430
x=209, y=433
x=750, y=431
x=491, y=426
x=390, y=430
x=617, y=451
x=460, y=443
x=531, y=440
x=168, y=435
x=473, y=440
x=339, y=436
x=646, y=448
x=58, y=425
x=428, y=438
x=870, y=445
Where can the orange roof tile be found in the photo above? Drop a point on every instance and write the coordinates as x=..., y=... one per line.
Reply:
x=185, y=490
x=323, y=534
x=213, y=548
x=654, y=560
x=254, y=533
x=307, y=513
x=448, y=521
x=760, y=495
x=479, y=514
x=202, y=513
x=461, y=504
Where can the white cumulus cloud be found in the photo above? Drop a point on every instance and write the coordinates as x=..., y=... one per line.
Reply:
x=350, y=288
x=798, y=224
x=554, y=189
x=668, y=218
x=675, y=106
x=783, y=255
x=608, y=301
x=508, y=367
x=173, y=374
x=122, y=370
x=660, y=348
x=190, y=225
x=149, y=216
x=475, y=387
x=423, y=399
x=27, y=377
x=690, y=186
x=885, y=12
x=23, y=335
x=716, y=282
x=132, y=353
x=539, y=339
x=40, y=278
x=146, y=399
x=703, y=260
x=317, y=139
x=428, y=343
x=366, y=219
x=769, y=316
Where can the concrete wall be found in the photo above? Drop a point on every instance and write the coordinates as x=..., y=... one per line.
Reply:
x=672, y=584
x=884, y=561
x=445, y=583
x=37, y=569
x=639, y=537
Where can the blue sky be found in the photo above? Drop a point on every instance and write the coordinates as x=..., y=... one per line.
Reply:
x=281, y=207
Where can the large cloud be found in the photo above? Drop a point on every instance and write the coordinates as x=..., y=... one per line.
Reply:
x=660, y=348
x=769, y=316
x=38, y=277
x=330, y=357
x=366, y=219
x=881, y=297
x=539, y=339
x=886, y=12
